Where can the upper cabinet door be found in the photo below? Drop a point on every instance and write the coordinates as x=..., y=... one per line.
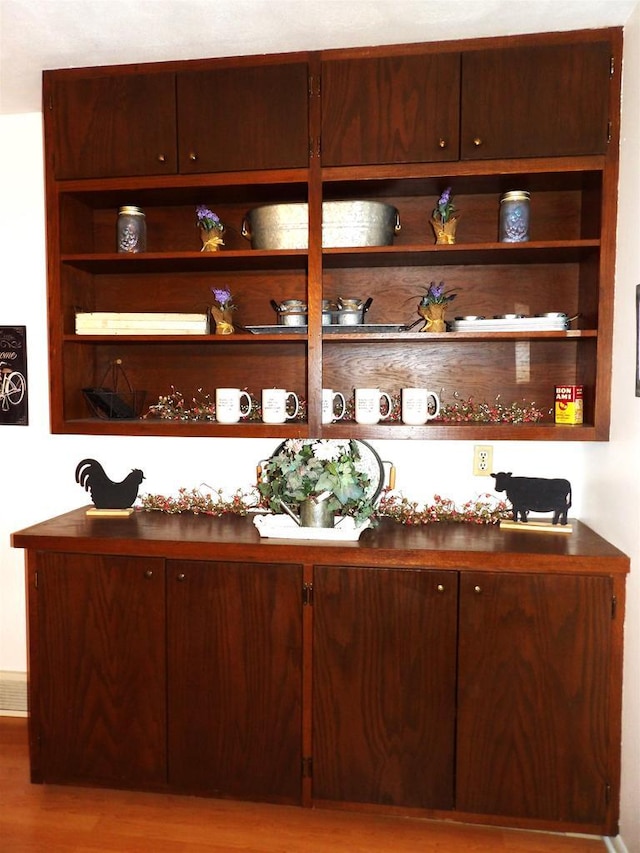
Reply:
x=253, y=117
x=542, y=101
x=395, y=109
x=113, y=126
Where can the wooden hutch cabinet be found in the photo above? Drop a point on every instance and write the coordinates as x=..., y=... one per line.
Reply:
x=395, y=124
x=449, y=671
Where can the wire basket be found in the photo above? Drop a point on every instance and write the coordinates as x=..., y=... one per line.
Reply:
x=115, y=403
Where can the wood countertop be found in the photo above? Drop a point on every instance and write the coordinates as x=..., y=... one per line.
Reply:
x=441, y=545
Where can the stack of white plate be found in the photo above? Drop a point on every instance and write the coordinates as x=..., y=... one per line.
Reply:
x=546, y=323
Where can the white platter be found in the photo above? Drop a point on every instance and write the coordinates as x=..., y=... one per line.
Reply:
x=283, y=527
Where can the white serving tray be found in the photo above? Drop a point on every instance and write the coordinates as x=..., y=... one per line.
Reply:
x=283, y=527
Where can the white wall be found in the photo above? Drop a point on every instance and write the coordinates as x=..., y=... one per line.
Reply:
x=37, y=469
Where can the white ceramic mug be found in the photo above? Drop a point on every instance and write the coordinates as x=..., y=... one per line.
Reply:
x=229, y=408
x=329, y=400
x=369, y=405
x=274, y=405
x=419, y=405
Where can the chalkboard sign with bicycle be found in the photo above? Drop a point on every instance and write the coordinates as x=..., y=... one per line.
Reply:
x=13, y=376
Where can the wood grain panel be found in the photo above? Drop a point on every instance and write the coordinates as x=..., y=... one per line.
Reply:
x=384, y=663
x=547, y=100
x=101, y=691
x=532, y=708
x=194, y=371
x=235, y=676
x=398, y=109
x=250, y=117
x=113, y=125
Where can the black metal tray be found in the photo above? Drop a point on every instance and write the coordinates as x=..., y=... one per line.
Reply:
x=361, y=328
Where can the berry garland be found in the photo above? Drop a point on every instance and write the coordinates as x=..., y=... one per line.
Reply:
x=485, y=509
x=200, y=504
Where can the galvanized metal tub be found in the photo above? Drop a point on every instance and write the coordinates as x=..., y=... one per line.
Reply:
x=345, y=224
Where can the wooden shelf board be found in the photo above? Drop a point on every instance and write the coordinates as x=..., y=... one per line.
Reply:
x=456, y=337
x=346, y=429
x=151, y=262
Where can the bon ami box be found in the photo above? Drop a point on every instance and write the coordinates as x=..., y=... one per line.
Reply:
x=568, y=404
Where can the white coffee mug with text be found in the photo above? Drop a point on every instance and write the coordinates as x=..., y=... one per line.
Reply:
x=369, y=402
x=329, y=400
x=274, y=405
x=419, y=405
x=229, y=407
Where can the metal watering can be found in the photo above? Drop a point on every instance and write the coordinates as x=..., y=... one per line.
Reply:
x=314, y=512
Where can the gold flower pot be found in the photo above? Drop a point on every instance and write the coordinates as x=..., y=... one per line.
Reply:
x=211, y=239
x=445, y=231
x=223, y=318
x=433, y=316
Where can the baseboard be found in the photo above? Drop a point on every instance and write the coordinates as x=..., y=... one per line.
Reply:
x=13, y=694
x=615, y=845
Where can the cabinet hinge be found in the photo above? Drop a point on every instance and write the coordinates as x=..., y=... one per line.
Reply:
x=307, y=767
x=314, y=86
x=314, y=148
x=607, y=794
x=614, y=606
x=608, y=132
x=35, y=580
x=50, y=103
x=307, y=594
x=612, y=65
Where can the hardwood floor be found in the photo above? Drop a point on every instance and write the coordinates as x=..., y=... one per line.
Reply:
x=55, y=819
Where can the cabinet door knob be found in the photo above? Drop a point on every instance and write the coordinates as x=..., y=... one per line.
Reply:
x=193, y=156
x=161, y=158
x=181, y=576
x=442, y=143
x=477, y=142
x=148, y=574
x=477, y=589
x=440, y=587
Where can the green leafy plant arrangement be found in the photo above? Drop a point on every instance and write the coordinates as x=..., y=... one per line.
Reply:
x=304, y=468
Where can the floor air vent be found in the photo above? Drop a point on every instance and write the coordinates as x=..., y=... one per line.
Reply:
x=13, y=693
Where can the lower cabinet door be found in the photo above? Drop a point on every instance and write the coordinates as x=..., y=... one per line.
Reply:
x=98, y=669
x=235, y=679
x=384, y=667
x=533, y=721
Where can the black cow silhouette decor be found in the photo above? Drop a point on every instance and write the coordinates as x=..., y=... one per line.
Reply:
x=106, y=494
x=535, y=494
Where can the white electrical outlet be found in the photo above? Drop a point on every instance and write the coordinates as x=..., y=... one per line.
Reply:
x=482, y=460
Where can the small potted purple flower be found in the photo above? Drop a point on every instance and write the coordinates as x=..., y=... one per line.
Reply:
x=433, y=307
x=443, y=221
x=222, y=311
x=211, y=228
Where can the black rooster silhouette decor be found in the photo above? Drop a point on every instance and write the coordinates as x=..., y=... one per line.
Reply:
x=106, y=494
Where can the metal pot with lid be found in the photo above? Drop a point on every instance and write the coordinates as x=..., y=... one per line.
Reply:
x=291, y=312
